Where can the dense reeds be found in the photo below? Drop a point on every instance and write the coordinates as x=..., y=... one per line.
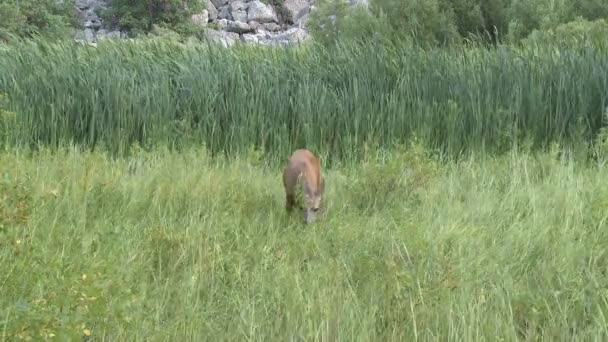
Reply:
x=333, y=100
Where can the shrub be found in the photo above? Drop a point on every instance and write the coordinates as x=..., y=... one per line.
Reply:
x=141, y=16
x=26, y=18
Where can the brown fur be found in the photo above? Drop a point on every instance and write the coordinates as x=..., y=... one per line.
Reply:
x=304, y=167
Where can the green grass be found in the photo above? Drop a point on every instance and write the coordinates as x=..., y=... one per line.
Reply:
x=181, y=246
x=333, y=100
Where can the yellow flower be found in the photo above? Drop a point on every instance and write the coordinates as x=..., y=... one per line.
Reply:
x=87, y=332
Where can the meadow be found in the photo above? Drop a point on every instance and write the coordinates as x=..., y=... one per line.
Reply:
x=181, y=246
x=141, y=195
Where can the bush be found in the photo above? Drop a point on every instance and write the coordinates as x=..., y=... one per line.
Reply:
x=335, y=19
x=141, y=16
x=574, y=32
x=26, y=18
x=440, y=22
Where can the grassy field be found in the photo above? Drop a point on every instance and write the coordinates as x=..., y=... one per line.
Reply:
x=335, y=101
x=181, y=246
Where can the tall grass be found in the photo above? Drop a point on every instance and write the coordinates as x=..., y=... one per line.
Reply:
x=333, y=100
x=177, y=246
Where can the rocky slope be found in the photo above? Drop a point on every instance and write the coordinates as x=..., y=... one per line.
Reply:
x=225, y=21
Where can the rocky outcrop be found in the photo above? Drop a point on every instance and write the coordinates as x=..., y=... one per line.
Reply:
x=94, y=29
x=295, y=10
x=227, y=21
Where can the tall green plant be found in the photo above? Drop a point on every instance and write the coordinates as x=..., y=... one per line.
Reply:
x=26, y=18
x=333, y=100
x=140, y=16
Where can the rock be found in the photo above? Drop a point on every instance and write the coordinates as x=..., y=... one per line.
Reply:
x=239, y=15
x=303, y=20
x=95, y=24
x=87, y=35
x=272, y=27
x=224, y=13
x=237, y=27
x=201, y=19
x=222, y=23
x=254, y=25
x=211, y=10
x=293, y=35
x=238, y=10
x=219, y=3
x=261, y=13
x=103, y=34
x=225, y=38
x=86, y=4
x=296, y=9
x=249, y=38
x=238, y=5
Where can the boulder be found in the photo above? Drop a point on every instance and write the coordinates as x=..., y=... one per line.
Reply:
x=254, y=25
x=295, y=9
x=237, y=27
x=260, y=12
x=211, y=10
x=273, y=27
x=103, y=34
x=249, y=38
x=224, y=38
x=224, y=13
x=219, y=3
x=201, y=19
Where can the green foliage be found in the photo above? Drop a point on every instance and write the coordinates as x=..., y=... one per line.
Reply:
x=440, y=22
x=183, y=247
x=26, y=18
x=334, y=100
x=8, y=122
x=579, y=31
x=141, y=16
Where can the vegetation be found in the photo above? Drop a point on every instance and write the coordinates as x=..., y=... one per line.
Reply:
x=154, y=92
x=142, y=16
x=26, y=18
x=441, y=22
x=179, y=246
x=140, y=189
x=427, y=22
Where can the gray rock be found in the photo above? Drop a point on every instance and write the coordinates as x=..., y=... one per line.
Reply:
x=238, y=10
x=254, y=25
x=103, y=34
x=224, y=13
x=114, y=34
x=201, y=19
x=94, y=24
x=86, y=4
x=89, y=35
x=272, y=27
x=237, y=27
x=239, y=15
x=301, y=23
x=211, y=10
x=296, y=9
x=219, y=3
x=222, y=23
x=238, y=5
x=249, y=38
x=293, y=35
x=261, y=13
x=224, y=38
